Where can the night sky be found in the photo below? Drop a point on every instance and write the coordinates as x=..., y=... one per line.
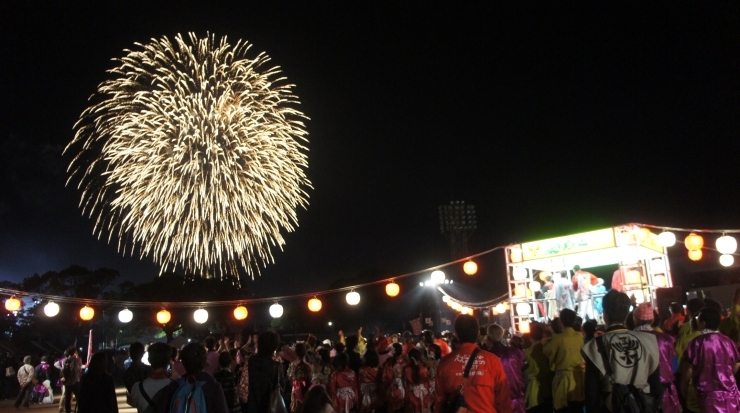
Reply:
x=550, y=118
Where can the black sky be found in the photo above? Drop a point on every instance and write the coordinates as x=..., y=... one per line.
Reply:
x=549, y=118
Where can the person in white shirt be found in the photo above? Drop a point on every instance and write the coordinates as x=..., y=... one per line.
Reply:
x=25, y=379
x=146, y=394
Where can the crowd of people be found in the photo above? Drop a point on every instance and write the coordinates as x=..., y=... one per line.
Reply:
x=632, y=362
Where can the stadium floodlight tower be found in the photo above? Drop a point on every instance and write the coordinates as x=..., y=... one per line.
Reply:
x=457, y=222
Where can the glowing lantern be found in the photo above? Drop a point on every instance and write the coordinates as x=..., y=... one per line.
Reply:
x=657, y=265
x=200, y=316
x=633, y=277
x=519, y=290
x=694, y=242
x=87, y=313
x=506, y=305
x=535, y=286
x=726, y=260
x=523, y=309
x=639, y=296
x=314, y=305
x=543, y=275
x=500, y=308
x=163, y=316
x=455, y=306
x=446, y=298
x=12, y=304
x=641, y=234
x=353, y=298
x=667, y=239
x=695, y=255
x=659, y=281
x=125, y=315
x=392, y=289
x=438, y=277
x=276, y=310
x=519, y=273
x=495, y=311
x=241, y=312
x=51, y=309
x=726, y=244
x=470, y=268
x=524, y=326
x=516, y=254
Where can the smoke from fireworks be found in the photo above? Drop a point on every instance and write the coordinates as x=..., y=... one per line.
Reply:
x=192, y=155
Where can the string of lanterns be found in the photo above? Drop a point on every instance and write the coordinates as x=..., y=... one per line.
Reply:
x=726, y=245
x=200, y=315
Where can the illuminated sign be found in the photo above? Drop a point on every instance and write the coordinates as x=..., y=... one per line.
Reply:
x=571, y=244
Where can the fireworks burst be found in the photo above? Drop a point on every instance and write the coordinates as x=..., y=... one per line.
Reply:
x=192, y=155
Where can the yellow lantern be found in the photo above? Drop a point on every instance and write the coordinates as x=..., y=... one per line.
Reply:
x=694, y=242
x=12, y=304
x=392, y=289
x=695, y=255
x=520, y=290
x=506, y=305
x=495, y=311
x=632, y=277
x=659, y=281
x=524, y=326
x=516, y=254
x=641, y=234
x=240, y=312
x=163, y=316
x=470, y=268
x=87, y=313
x=314, y=305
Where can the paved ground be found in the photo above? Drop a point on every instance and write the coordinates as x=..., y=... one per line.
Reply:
x=6, y=406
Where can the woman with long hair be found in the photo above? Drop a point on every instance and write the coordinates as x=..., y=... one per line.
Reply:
x=97, y=388
x=419, y=398
x=322, y=369
x=368, y=386
x=391, y=382
x=299, y=375
x=343, y=386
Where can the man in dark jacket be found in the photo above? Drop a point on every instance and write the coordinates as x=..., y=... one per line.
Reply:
x=193, y=357
x=264, y=372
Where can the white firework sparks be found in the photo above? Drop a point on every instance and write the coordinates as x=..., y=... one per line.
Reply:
x=192, y=155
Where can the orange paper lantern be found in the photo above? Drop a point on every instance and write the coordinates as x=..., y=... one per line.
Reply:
x=695, y=255
x=641, y=234
x=314, y=305
x=516, y=255
x=470, y=268
x=520, y=290
x=87, y=313
x=392, y=289
x=241, y=313
x=694, y=242
x=524, y=327
x=632, y=277
x=12, y=304
x=163, y=316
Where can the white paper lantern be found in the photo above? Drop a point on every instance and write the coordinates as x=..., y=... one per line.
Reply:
x=658, y=266
x=353, y=298
x=51, y=309
x=519, y=273
x=276, y=310
x=438, y=277
x=726, y=244
x=667, y=239
x=523, y=309
x=726, y=260
x=125, y=315
x=445, y=298
x=500, y=308
x=200, y=315
x=535, y=286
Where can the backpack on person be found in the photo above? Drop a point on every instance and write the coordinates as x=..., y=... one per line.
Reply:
x=189, y=396
x=626, y=398
x=68, y=372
